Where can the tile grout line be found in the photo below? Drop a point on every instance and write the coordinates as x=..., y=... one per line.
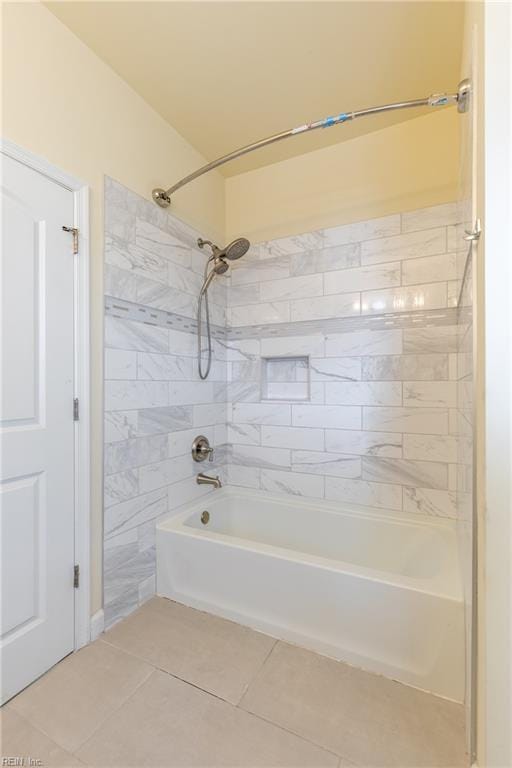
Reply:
x=212, y=695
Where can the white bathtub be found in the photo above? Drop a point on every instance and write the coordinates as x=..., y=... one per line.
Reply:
x=377, y=591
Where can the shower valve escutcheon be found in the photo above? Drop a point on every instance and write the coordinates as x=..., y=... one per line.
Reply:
x=201, y=449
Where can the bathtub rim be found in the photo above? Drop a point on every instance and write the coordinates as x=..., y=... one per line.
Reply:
x=175, y=523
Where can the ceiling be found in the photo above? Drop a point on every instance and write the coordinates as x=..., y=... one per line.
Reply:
x=228, y=73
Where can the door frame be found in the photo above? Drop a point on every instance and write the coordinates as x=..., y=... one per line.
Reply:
x=81, y=384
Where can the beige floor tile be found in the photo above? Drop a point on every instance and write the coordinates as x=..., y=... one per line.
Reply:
x=216, y=655
x=21, y=740
x=73, y=698
x=170, y=723
x=365, y=718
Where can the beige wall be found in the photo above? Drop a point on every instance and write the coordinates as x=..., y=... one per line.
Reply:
x=61, y=102
x=410, y=165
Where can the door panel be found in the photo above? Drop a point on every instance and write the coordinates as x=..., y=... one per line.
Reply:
x=36, y=425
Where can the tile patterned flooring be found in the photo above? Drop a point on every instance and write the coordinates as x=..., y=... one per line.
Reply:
x=172, y=686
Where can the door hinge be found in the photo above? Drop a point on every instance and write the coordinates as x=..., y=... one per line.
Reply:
x=74, y=232
x=76, y=409
x=76, y=576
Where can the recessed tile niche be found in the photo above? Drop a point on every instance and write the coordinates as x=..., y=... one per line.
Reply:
x=285, y=378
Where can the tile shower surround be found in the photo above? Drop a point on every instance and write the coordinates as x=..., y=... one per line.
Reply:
x=369, y=305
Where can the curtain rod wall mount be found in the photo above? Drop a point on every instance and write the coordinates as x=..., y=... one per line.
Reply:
x=162, y=197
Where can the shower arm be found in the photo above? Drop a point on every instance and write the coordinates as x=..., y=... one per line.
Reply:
x=163, y=196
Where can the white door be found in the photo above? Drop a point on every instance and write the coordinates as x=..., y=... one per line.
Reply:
x=36, y=426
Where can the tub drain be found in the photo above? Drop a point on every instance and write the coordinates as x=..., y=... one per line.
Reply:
x=205, y=517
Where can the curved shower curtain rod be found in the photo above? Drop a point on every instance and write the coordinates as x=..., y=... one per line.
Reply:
x=163, y=196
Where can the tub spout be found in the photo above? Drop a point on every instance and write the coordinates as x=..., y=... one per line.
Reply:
x=202, y=479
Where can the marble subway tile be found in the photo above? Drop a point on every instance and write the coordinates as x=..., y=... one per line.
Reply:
x=292, y=391
x=429, y=367
x=326, y=416
x=208, y=414
x=277, y=414
x=293, y=483
x=407, y=298
x=292, y=288
x=429, y=269
x=363, y=393
x=181, y=343
x=246, y=477
x=335, y=369
x=123, y=517
x=367, y=342
x=407, y=246
x=289, y=346
x=120, y=364
x=128, y=334
x=152, y=421
x=428, y=501
x=147, y=588
x=325, y=260
x=346, y=305
x=363, y=230
x=363, y=278
x=185, y=492
x=293, y=437
x=284, y=246
x=122, y=606
x=436, y=338
x=430, y=447
x=146, y=535
x=191, y=392
x=425, y=421
x=135, y=260
x=126, y=568
x=133, y=453
x=427, y=474
x=185, y=280
x=430, y=394
x=120, y=425
x=378, y=495
x=242, y=392
x=123, y=395
x=163, y=367
x=247, y=434
x=240, y=350
x=238, y=295
x=259, y=314
x=323, y=463
x=162, y=473
x=364, y=443
x=180, y=442
x=119, y=283
x=249, y=370
x=261, y=456
x=120, y=487
x=160, y=243
x=163, y=296
x=259, y=271
x=427, y=218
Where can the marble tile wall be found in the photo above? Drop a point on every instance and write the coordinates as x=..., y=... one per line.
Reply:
x=370, y=307
x=366, y=310
x=155, y=403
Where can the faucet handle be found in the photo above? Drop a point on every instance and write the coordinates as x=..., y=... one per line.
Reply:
x=201, y=449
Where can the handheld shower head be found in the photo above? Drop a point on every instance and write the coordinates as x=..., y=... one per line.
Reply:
x=233, y=251
x=217, y=265
x=236, y=249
